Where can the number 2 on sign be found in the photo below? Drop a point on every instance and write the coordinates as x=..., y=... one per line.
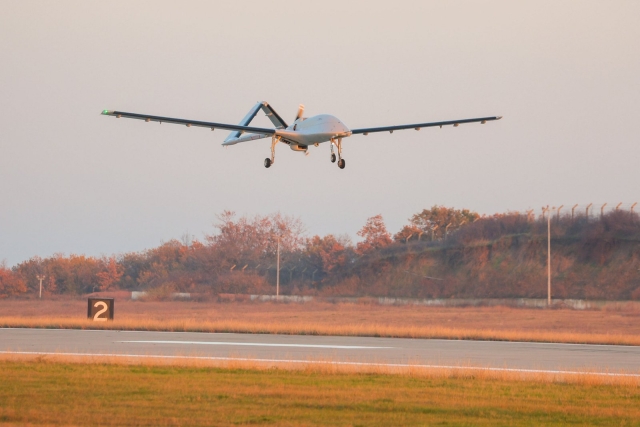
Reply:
x=97, y=317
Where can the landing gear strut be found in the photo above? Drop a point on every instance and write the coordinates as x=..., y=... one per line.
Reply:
x=338, y=144
x=269, y=161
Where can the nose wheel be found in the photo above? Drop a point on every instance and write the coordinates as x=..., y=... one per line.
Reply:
x=267, y=162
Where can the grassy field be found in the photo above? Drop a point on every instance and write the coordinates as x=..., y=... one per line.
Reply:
x=619, y=325
x=43, y=393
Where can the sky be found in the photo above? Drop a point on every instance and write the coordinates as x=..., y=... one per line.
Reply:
x=565, y=76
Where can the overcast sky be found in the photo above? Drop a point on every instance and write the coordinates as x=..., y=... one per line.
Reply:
x=565, y=76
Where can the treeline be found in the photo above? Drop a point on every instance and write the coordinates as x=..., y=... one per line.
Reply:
x=441, y=253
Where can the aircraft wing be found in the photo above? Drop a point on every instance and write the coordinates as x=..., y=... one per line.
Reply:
x=418, y=126
x=189, y=123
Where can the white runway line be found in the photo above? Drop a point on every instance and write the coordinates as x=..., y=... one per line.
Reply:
x=445, y=340
x=257, y=344
x=323, y=362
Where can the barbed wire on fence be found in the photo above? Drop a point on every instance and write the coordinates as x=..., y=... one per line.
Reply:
x=580, y=210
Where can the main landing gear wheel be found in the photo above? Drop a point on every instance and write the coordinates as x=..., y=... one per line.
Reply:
x=333, y=158
x=267, y=162
x=341, y=164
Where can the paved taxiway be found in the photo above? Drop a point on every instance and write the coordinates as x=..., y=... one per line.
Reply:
x=486, y=354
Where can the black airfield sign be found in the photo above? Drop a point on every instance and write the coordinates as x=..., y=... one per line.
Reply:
x=100, y=309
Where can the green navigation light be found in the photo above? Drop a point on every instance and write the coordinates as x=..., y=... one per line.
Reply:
x=105, y=111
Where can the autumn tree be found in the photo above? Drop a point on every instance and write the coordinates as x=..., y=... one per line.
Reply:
x=440, y=220
x=374, y=235
x=10, y=283
x=110, y=275
x=254, y=238
x=170, y=265
x=74, y=274
x=327, y=254
x=407, y=233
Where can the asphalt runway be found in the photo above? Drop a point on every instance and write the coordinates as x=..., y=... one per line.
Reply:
x=519, y=356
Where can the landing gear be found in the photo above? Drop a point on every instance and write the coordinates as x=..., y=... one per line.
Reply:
x=338, y=144
x=269, y=161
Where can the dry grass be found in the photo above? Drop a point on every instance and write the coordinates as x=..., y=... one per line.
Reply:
x=619, y=326
x=43, y=393
x=330, y=367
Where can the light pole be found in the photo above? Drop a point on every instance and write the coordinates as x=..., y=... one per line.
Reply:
x=278, y=271
x=548, y=212
x=40, y=277
x=549, y=258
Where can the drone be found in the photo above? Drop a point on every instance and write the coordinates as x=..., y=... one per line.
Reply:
x=299, y=136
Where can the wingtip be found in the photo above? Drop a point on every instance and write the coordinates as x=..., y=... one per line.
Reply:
x=498, y=117
x=106, y=112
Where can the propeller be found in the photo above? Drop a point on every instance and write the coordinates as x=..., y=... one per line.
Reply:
x=300, y=111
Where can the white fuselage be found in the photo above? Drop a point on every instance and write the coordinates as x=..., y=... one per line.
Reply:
x=314, y=130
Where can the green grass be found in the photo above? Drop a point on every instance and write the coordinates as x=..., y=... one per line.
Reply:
x=44, y=393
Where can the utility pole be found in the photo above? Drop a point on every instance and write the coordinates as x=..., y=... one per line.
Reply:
x=548, y=212
x=278, y=271
x=40, y=277
x=549, y=259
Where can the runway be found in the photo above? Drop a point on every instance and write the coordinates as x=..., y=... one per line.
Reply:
x=495, y=355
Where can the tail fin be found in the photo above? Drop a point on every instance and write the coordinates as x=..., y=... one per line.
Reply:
x=270, y=113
